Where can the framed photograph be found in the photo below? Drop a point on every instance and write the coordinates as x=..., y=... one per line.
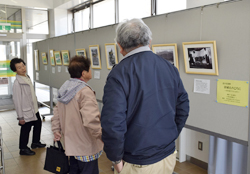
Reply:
x=52, y=58
x=200, y=57
x=57, y=56
x=167, y=52
x=95, y=57
x=65, y=57
x=36, y=61
x=111, y=55
x=81, y=52
x=44, y=58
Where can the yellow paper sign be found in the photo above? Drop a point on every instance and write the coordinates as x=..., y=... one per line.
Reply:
x=232, y=92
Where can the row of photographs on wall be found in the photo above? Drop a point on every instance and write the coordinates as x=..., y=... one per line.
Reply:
x=62, y=57
x=199, y=57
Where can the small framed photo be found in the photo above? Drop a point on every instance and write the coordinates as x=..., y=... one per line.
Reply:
x=167, y=52
x=65, y=57
x=57, y=56
x=111, y=55
x=200, y=57
x=81, y=52
x=52, y=58
x=95, y=57
x=44, y=58
x=36, y=61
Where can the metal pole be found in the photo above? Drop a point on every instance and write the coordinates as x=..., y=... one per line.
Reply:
x=116, y=11
x=153, y=7
x=51, y=99
x=91, y=16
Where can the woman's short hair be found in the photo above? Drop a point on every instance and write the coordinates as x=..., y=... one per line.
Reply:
x=132, y=33
x=77, y=65
x=13, y=63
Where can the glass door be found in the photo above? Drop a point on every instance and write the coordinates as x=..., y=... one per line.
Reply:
x=8, y=50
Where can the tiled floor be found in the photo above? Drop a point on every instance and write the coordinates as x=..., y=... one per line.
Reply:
x=16, y=164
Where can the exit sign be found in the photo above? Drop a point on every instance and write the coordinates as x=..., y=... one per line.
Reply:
x=5, y=26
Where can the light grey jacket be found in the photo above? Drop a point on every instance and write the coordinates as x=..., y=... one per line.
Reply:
x=23, y=102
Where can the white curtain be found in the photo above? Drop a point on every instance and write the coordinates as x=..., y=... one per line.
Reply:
x=226, y=157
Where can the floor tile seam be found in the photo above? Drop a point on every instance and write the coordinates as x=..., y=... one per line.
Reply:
x=11, y=138
x=8, y=123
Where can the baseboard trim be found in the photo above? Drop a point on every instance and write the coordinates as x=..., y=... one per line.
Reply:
x=7, y=107
x=197, y=162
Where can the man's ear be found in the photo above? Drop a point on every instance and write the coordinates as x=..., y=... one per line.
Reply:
x=122, y=51
x=149, y=45
x=83, y=73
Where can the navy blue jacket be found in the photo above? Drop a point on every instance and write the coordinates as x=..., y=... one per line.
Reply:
x=145, y=107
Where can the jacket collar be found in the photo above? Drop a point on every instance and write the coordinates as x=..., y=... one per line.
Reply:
x=137, y=50
x=20, y=79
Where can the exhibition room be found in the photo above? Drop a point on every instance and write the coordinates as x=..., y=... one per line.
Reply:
x=206, y=43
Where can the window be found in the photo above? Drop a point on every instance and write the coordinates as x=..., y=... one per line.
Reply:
x=164, y=6
x=37, y=21
x=129, y=9
x=11, y=16
x=104, y=13
x=82, y=20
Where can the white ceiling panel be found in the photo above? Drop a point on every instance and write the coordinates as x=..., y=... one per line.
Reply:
x=67, y=4
x=29, y=3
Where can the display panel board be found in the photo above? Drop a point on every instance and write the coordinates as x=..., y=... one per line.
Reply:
x=226, y=24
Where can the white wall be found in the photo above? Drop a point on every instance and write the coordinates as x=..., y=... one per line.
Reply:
x=51, y=23
x=192, y=139
x=61, y=22
x=58, y=3
x=29, y=3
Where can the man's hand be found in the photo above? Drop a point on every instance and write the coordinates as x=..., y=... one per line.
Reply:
x=57, y=136
x=119, y=167
x=22, y=122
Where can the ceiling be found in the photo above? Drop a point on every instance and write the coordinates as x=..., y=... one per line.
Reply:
x=30, y=3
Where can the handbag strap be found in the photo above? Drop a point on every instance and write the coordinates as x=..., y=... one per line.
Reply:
x=59, y=145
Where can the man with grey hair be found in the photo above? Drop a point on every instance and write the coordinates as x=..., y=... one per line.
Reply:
x=145, y=106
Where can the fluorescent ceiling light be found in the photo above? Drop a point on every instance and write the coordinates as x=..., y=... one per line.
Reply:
x=3, y=11
x=35, y=8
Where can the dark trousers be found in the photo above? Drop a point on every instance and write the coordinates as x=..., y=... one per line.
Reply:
x=25, y=131
x=79, y=167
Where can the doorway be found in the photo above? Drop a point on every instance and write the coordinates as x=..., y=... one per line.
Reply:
x=8, y=50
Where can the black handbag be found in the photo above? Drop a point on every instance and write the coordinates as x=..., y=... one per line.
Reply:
x=56, y=161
